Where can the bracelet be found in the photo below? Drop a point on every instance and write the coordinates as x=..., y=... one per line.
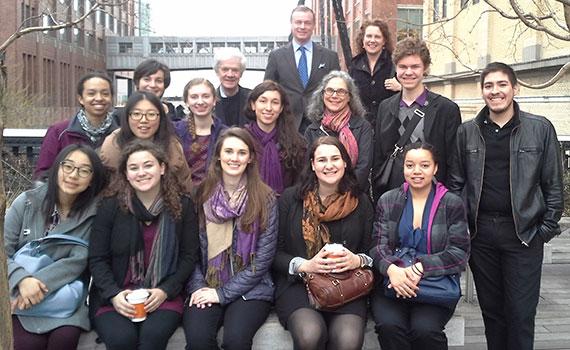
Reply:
x=416, y=270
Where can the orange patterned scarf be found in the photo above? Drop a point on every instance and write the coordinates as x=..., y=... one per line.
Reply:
x=316, y=212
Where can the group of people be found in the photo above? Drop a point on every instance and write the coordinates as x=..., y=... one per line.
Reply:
x=219, y=208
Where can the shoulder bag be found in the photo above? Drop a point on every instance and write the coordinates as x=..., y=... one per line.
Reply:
x=63, y=302
x=381, y=180
x=329, y=291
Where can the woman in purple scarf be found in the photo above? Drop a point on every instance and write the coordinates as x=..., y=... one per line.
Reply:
x=238, y=238
x=281, y=147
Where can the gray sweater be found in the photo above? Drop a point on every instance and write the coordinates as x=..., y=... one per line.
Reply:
x=25, y=222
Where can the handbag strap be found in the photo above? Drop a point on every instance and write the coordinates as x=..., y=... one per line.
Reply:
x=59, y=238
x=399, y=146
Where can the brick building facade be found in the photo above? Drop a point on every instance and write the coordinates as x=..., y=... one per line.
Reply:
x=45, y=66
x=402, y=16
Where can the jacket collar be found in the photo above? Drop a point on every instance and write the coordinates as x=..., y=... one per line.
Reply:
x=484, y=114
x=360, y=61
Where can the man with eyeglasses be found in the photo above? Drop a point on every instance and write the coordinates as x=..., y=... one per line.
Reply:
x=437, y=117
x=301, y=65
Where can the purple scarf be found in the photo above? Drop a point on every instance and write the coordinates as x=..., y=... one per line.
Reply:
x=223, y=221
x=269, y=164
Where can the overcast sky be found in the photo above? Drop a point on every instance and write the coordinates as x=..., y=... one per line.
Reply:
x=221, y=17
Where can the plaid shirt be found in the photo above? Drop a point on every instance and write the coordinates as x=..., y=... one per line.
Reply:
x=447, y=237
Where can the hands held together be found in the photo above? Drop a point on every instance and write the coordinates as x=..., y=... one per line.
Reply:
x=31, y=292
x=328, y=262
x=405, y=280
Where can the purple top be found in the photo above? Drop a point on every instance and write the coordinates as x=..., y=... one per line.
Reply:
x=420, y=100
x=198, y=162
x=176, y=304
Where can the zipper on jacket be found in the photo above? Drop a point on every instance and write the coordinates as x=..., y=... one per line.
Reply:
x=482, y=174
x=511, y=186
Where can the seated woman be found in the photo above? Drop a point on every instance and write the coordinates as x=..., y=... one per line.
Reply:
x=199, y=131
x=423, y=216
x=335, y=109
x=326, y=207
x=66, y=204
x=144, y=236
x=145, y=119
x=238, y=236
x=92, y=123
x=282, y=148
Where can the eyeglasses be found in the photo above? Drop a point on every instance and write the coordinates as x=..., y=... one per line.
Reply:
x=69, y=167
x=150, y=116
x=339, y=92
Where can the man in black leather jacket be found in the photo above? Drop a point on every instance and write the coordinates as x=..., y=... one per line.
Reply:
x=508, y=167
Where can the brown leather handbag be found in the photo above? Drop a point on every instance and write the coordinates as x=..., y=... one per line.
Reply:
x=329, y=291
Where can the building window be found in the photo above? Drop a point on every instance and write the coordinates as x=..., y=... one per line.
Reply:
x=435, y=10
x=465, y=2
x=156, y=47
x=409, y=22
x=125, y=47
x=443, y=8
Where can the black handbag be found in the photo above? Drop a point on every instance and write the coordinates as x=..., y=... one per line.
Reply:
x=381, y=180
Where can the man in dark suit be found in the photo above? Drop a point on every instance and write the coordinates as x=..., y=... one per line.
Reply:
x=300, y=65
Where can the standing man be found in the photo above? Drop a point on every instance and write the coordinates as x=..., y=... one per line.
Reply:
x=300, y=65
x=152, y=76
x=437, y=127
x=508, y=166
x=229, y=65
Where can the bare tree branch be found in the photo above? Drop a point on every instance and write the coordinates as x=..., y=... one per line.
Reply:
x=563, y=70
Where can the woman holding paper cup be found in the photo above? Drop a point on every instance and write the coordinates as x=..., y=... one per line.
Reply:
x=144, y=247
x=66, y=204
x=326, y=207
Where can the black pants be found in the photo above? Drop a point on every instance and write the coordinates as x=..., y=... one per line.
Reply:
x=241, y=320
x=507, y=277
x=406, y=325
x=120, y=333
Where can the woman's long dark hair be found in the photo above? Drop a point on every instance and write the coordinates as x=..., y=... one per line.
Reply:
x=83, y=200
x=309, y=181
x=257, y=191
x=293, y=145
x=169, y=187
x=165, y=131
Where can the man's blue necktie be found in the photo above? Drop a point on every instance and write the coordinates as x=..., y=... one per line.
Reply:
x=302, y=68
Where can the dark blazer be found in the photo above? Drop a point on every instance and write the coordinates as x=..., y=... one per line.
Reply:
x=353, y=231
x=281, y=68
x=109, y=251
x=442, y=118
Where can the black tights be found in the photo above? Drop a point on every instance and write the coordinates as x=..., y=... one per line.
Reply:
x=312, y=329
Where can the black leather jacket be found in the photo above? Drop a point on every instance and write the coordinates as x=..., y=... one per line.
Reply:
x=535, y=171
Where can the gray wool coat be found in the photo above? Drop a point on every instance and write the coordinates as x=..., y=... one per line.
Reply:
x=25, y=222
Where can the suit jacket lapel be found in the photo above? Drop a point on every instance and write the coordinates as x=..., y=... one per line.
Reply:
x=315, y=64
x=290, y=59
x=429, y=115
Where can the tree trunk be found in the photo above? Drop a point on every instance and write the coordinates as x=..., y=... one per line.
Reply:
x=342, y=31
x=5, y=315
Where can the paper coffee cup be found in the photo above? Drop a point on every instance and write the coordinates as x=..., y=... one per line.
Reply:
x=137, y=299
x=335, y=249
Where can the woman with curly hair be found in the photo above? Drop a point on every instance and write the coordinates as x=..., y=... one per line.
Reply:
x=145, y=119
x=335, y=109
x=200, y=129
x=232, y=285
x=372, y=68
x=281, y=147
x=145, y=236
